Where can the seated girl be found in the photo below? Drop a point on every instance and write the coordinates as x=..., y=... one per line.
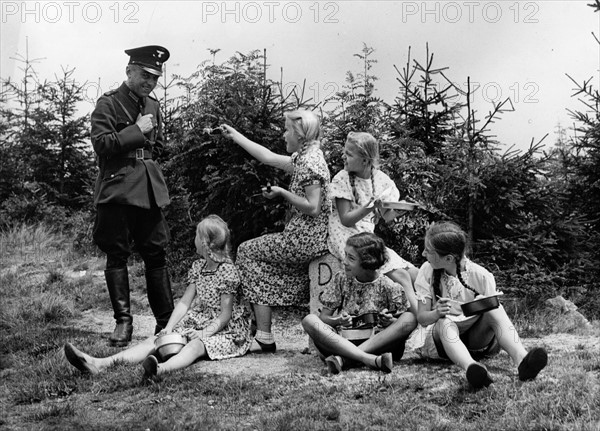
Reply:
x=361, y=289
x=217, y=327
x=444, y=282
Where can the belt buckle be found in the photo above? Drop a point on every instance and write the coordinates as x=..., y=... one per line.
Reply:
x=139, y=153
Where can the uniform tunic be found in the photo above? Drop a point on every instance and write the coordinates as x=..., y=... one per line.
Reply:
x=274, y=267
x=123, y=179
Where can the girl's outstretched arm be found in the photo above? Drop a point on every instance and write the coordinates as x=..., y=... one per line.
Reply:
x=221, y=321
x=181, y=309
x=260, y=153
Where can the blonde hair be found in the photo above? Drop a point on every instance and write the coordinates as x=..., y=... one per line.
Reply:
x=306, y=126
x=215, y=234
x=367, y=148
x=366, y=145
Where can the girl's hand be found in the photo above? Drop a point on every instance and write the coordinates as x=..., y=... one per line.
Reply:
x=386, y=318
x=344, y=319
x=275, y=191
x=229, y=132
x=193, y=335
x=443, y=307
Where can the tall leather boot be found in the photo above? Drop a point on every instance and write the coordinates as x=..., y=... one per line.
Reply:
x=117, y=281
x=160, y=296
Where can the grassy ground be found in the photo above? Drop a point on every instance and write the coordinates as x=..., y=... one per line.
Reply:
x=48, y=296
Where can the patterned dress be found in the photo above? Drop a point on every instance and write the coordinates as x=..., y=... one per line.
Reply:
x=385, y=189
x=348, y=294
x=234, y=339
x=274, y=267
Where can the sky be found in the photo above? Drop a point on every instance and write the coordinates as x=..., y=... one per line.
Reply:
x=517, y=49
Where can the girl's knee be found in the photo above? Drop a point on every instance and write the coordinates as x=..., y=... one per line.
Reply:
x=310, y=322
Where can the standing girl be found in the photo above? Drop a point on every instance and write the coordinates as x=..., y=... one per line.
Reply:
x=358, y=191
x=362, y=289
x=217, y=327
x=274, y=267
x=445, y=281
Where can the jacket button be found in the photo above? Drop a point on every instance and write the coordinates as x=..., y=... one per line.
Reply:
x=112, y=175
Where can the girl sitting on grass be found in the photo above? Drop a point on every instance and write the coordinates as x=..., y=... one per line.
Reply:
x=361, y=289
x=357, y=192
x=217, y=327
x=445, y=281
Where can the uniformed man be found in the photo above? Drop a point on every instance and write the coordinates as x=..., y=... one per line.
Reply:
x=130, y=190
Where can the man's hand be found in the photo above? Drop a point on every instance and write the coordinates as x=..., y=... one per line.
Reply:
x=145, y=122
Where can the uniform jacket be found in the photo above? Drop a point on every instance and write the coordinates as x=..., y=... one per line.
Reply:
x=123, y=178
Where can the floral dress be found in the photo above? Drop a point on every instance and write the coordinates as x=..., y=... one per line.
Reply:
x=234, y=339
x=477, y=277
x=348, y=294
x=380, y=186
x=274, y=267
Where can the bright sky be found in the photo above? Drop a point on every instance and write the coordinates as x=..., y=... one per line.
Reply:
x=520, y=50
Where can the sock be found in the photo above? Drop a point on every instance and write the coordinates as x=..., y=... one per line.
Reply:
x=265, y=337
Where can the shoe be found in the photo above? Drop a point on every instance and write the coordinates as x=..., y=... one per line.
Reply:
x=478, y=376
x=535, y=360
x=150, y=365
x=334, y=364
x=267, y=347
x=76, y=358
x=384, y=362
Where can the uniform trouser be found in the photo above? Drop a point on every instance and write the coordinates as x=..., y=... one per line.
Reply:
x=117, y=228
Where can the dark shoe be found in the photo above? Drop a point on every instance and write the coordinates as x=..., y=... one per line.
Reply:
x=478, y=376
x=334, y=364
x=267, y=347
x=535, y=360
x=121, y=336
x=384, y=362
x=76, y=358
x=150, y=365
x=160, y=295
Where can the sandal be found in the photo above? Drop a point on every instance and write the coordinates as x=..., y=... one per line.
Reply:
x=150, y=365
x=535, y=360
x=478, y=376
x=334, y=364
x=384, y=363
x=76, y=358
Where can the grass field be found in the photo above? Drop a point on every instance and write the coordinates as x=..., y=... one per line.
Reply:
x=44, y=305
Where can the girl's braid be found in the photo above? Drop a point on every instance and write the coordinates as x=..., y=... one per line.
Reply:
x=437, y=277
x=464, y=283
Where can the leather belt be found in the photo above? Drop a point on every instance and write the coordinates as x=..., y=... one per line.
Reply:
x=138, y=153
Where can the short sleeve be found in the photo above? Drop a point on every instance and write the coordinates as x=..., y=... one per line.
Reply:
x=397, y=298
x=386, y=188
x=192, y=275
x=332, y=296
x=311, y=168
x=340, y=186
x=229, y=279
x=423, y=283
x=481, y=280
